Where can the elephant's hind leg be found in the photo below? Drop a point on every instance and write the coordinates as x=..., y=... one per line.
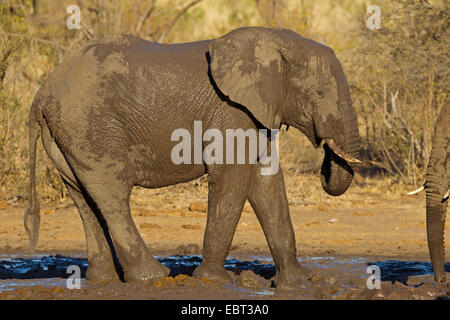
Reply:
x=100, y=257
x=111, y=196
x=100, y=248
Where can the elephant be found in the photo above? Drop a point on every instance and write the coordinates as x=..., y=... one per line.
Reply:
x=106, y=118
x=436, y=187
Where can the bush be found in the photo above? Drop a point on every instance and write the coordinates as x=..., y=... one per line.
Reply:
x=399, y=78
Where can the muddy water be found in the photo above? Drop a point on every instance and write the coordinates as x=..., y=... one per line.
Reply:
x=340, y=278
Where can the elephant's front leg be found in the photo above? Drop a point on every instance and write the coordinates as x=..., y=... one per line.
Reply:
x=228, y=188
x=267, y=196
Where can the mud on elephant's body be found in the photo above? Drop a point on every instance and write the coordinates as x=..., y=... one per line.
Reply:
x=106, y=117
x=437, y=186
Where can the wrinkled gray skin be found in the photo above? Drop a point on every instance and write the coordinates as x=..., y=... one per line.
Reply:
x=106, y=118
x=436, y=186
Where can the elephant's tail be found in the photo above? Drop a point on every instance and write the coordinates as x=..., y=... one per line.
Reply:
x=32, y=216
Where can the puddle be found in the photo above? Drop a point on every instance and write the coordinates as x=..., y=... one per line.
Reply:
x=39, y=266
x=395, y=270
x=24, y=271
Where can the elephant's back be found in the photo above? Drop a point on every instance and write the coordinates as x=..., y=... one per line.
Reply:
x=115, y=97
x=124, y=71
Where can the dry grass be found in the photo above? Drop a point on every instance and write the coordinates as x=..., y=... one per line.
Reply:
x=34, y=39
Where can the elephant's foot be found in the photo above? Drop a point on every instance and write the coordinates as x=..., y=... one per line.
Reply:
x=146, y=271
x=101, y=268
x=214, y=273
x=295, y=275
x=105, y=272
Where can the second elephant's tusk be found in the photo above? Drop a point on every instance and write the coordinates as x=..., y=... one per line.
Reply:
x=446, y=196
x=342, y=154
x=415, y=191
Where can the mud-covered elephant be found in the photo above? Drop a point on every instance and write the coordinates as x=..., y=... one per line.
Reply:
x=107, y=118
x=436, y=187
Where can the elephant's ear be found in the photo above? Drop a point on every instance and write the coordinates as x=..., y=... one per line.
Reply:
x=247, y=66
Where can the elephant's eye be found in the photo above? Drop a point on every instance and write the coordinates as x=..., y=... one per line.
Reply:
x=320, y=93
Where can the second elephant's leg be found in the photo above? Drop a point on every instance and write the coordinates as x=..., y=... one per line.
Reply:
x=228, y=191
x=268, y=199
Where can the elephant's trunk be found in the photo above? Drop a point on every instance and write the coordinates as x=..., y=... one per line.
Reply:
x=436, y=187
x=436, y=210
x=336, y=175
x=342, y=150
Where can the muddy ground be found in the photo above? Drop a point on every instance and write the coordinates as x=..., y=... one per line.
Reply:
x=336, y=237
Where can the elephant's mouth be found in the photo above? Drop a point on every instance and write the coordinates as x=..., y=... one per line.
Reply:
x=314, y=138
x=337, y=150
x=336, y=173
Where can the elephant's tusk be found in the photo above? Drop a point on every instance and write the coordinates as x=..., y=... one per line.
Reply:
x=415, y=191
x=342, y=154
x=446, y=196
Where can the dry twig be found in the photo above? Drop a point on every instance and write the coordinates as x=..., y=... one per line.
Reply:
x=146, y=16
x=177, y=17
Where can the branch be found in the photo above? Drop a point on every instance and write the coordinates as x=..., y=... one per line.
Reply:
x=392, y=162
x=8, y=49
x=386, y=116
x=258, y=7
x=404, y=123
x=380, y=165
x=177, y=17
x=147, y=15
x=31, y=38
x=87, y=32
